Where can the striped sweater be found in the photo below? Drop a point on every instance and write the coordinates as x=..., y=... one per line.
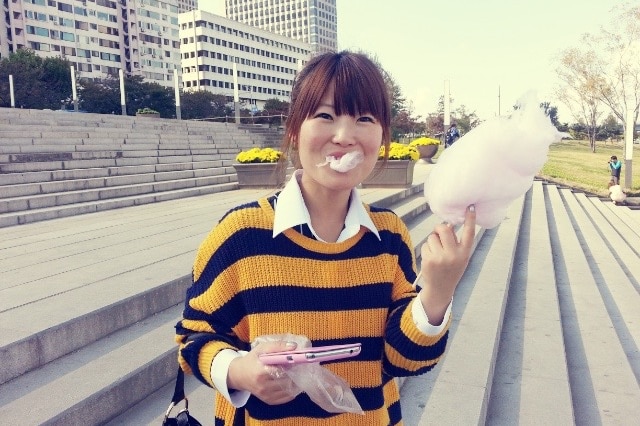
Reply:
x=247, y=284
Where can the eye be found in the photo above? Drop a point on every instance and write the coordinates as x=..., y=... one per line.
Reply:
x=367, y=119
x=323, y=115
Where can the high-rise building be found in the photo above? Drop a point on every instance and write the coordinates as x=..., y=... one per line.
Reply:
x=312, y=21
x=187, y=5
x=99, y=37
x=230, y=58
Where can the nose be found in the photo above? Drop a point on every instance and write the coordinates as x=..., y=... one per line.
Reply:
x=345, y=130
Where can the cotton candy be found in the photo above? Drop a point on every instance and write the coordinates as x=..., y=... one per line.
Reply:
x=345, y=163
x=491, y=166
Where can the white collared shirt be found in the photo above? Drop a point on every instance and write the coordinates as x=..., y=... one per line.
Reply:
x=291, y=211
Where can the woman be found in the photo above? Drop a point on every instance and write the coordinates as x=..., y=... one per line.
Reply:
x=313, y=260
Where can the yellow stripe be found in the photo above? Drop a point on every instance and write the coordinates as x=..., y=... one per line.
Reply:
x=396, y=358
x=323, y=325
x=225, y=229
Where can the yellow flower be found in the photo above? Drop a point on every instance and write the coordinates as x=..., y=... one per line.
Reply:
x=424, y=141
x=259, y=155
x=399, y=151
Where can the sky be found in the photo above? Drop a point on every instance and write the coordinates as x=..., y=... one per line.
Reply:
x=491, y=52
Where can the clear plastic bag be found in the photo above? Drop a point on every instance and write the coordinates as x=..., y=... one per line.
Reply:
x=328, y=390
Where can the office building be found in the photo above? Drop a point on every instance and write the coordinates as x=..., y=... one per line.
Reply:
x=265, y=63
x=187, y=5
x=311, y=21
x=99, y=37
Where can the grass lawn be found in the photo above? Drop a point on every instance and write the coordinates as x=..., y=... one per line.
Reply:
x=573, y=164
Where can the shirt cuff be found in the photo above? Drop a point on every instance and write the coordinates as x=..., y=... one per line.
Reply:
x=421, y=319
x=219, y=372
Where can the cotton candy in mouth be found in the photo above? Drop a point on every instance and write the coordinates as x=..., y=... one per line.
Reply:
x=345, y=163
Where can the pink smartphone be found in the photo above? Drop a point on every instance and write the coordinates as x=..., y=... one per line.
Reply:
x=313, y=354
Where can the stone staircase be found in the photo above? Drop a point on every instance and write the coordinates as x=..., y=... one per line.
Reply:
x=545, y=327
x=545, y=319
x=55, y=164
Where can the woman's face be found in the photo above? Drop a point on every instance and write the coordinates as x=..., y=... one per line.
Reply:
x=324, y=133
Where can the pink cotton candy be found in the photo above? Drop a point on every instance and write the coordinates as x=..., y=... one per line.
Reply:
x=491, y=166
x=345, y=163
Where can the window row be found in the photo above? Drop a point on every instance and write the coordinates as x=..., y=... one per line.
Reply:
x=241, y=74
x=249, y=36
x=241, y=47
x=244, y=90
x=72, y=51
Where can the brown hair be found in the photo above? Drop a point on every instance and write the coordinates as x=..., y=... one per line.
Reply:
x=359, y=88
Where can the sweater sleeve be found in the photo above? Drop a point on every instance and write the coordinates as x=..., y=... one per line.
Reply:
x=408, y=350
x=211, y=311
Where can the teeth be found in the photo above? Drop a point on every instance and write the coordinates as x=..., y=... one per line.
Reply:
x=345, y=163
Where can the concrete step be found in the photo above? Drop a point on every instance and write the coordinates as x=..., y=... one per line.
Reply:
x=32, y=189
x=48, y=213
x=536, y=318
x=91, y=173
x=564, y=310
x=64, y=161
x=120, y=190
x=116, y=363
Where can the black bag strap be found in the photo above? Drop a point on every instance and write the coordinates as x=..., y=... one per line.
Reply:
x=178, y=392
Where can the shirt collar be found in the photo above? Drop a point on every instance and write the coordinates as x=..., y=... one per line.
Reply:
x=291, y=211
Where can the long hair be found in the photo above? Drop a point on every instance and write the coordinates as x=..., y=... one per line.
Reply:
x=359, y=88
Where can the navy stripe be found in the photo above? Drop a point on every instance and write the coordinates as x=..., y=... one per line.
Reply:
x=302, y=406
x=290, y=298
x=287, y=298
x=407, y=347
x=395, y=413
x=251, y=205
x=372, y=348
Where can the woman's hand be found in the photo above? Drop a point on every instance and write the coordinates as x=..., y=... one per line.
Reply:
x=444, y=260
x=269, y=383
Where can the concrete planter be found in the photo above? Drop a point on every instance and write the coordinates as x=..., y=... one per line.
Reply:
x=260, y=175
x=156, y=115
x=427, y=152
x=396, y=173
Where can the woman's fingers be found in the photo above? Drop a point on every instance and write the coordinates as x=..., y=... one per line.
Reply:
x=469, y=230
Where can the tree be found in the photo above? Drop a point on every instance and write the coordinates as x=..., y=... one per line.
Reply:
x=605, y=69
x=465, y=120
x=103, y=96
x=580, y=89
x=204, y=104
x=610, y=129
x=619, y=49
x=551, y=112
x=38, y=83
x=141, y=94
x=274, y=112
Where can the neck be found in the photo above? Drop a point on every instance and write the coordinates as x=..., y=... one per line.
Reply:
x=327, y=210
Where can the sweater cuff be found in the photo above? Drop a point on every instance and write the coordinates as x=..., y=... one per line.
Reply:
x=421, y=319
x=219, y=373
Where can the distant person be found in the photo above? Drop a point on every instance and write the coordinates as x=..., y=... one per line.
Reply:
x=616, y=194
x=615, y=166
x=452, y=135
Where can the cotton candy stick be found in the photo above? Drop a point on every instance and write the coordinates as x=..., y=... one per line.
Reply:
x=491, y=166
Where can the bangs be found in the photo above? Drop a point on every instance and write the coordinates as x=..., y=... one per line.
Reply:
x=359, y=89
x=354, y=94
